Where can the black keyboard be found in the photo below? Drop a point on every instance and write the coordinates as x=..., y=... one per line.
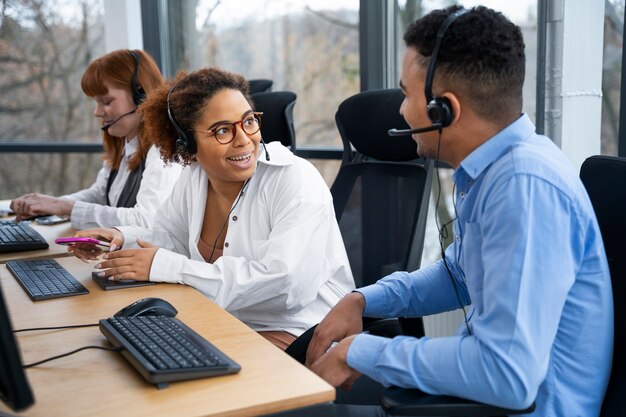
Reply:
x=163, y=349
x=19, y=237
x=45, y=278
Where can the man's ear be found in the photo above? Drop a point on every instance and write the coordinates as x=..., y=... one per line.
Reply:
x=455, y=105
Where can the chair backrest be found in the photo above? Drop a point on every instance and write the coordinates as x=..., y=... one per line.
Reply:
x=277, y=124
x=604, y=178
x=380, y=207
x=260, y=85
x=381, y=192
x=371, y=114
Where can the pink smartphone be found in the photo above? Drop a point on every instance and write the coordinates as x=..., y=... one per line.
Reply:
x=74, y=240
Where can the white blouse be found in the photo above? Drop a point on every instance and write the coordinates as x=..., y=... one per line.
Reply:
x=91, y=209
x=284, y=263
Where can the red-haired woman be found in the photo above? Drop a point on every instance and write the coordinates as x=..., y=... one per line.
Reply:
x=133, y=181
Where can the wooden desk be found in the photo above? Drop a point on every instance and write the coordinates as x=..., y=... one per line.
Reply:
x=50, y=233
x=103, y=383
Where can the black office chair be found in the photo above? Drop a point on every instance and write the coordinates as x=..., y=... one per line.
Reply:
x=277, y=124
x=380, y=196
x=260, y=85
x=605, y=178
x=382, y=190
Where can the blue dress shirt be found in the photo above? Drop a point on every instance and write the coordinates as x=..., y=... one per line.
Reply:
x=529, y=257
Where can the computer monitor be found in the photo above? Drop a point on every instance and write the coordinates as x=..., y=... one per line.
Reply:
x=14, y=388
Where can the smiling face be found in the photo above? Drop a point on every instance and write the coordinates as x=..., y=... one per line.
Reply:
x=112, y=106
x=233, y=162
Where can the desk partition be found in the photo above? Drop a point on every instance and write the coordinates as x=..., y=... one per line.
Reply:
x=103, y=383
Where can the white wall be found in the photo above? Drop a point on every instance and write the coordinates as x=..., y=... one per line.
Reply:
x=122, y=22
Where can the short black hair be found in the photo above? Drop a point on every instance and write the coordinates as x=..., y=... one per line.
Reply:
x=481, y=57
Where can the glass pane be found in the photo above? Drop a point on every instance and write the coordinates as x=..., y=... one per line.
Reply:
x=611, y=76
x=53, y=174
x=45, y=46
x=305, y=46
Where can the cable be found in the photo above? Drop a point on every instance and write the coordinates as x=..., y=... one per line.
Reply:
x=116, y=349
x=55, y=327
x=443, y=234
x=227, y=217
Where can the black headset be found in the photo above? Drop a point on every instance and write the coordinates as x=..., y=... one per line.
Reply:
x=185, y=143
x=439, y=109
x=137, y=91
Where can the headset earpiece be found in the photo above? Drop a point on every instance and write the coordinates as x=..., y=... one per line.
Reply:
x=139, y=95
x=184, y=144
x=439, y=109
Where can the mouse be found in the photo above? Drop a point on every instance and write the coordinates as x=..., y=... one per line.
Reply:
x=148, y=307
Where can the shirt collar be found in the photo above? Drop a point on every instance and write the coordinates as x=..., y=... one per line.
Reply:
x=131, y=146
x=482, y=157
x=279, y=155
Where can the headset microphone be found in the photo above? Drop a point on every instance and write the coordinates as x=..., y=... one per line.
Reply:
x=107, y=126
x=267, y=155
x=406, y=132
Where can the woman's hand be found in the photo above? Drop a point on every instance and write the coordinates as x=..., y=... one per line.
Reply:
x=30, y=205
x=129, y=263
x=87, y=251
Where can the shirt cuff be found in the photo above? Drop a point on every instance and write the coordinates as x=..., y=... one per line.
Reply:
x=78, y=214
x=130, y=236
x=364, y=352
x=375, y=300
x=167, y=266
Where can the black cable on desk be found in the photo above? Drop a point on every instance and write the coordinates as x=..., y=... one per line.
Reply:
x=56, y=327
x=115, y=349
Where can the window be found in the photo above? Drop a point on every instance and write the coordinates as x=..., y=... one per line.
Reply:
x=45, y=46
x=308, y=47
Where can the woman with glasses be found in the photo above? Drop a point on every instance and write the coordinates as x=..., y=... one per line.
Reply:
x=133, y=181
x=250, y=226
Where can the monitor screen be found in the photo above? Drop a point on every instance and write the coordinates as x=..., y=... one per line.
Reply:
x=14, y=388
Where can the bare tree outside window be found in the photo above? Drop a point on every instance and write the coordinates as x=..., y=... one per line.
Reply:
x=45, y=45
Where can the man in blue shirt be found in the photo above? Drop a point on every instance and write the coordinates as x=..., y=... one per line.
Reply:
x=527, y=258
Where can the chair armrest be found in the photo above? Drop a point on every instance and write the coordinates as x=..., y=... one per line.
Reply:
x=413, y=402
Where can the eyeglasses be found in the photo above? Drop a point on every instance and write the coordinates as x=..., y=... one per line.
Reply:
x=225, y=132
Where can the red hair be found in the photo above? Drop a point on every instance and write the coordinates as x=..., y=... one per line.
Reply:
x=117, y=68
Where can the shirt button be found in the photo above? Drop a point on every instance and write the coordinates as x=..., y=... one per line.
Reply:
x=457, y=237
x=462, y=194
x=225, y=244
x=234, y=218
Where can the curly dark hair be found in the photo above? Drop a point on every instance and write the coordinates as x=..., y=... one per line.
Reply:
x=187, y=102
x=481, y=57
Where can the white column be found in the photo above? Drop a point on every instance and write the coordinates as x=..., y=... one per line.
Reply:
x=581, y=84
x=122, y=23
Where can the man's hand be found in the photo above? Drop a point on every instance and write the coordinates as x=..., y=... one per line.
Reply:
x=129, y=263
x=345, y=319
x=333, y=366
